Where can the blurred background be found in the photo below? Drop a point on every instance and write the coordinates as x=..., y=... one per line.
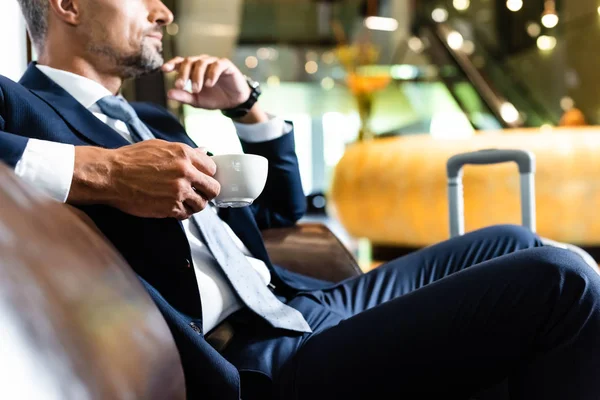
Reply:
x=382, y=92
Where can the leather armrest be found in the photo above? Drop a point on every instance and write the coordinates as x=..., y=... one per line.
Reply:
x=66, y=291
x=312, y=250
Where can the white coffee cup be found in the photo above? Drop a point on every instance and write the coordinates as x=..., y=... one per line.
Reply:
x=242, y=178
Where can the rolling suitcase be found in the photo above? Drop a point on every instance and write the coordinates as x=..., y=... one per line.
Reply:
x=525, y=160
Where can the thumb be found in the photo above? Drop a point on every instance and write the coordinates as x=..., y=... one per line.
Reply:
x=181, y=95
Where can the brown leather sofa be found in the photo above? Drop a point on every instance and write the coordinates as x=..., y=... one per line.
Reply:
x=76, y=319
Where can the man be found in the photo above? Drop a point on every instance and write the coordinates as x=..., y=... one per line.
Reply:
x=447, y=321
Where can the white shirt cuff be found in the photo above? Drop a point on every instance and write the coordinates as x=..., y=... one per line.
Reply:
x=48, y=166
x=272, y=129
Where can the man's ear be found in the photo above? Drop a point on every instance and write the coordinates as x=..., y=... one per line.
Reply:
x=68, y=11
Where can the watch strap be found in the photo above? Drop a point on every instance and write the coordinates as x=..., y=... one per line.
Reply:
x=243, y=109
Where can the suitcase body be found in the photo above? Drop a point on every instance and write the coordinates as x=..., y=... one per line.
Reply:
x=525, y=160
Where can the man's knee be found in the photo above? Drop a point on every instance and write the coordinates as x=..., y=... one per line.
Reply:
x=566, y=290
x=516, y=235
x=561, y=267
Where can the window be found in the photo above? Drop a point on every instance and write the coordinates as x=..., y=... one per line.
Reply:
x=13, y=42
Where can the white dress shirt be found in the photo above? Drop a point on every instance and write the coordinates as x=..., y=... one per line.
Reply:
x=218, y=297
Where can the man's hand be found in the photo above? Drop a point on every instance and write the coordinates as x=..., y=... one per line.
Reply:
x=217, y=84
x=154, y=179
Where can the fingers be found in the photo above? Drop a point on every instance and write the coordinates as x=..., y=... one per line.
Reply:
x=200, y=174
x=170, y=65
x=200, y=191
x=183, y=211
x=195, y=69
x=202, y=161
x=206, y=187
x=198, y=74
x=160, y=179
x=184, y=68
x=180, y=212
x=196, y=191
x=215, y=70
x=195, y=203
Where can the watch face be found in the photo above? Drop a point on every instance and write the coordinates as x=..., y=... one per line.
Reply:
x=254, y=85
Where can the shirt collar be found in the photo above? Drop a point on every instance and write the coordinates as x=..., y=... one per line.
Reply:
x=84, y=90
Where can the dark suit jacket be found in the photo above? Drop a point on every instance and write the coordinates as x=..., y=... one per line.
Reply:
x=157, y=249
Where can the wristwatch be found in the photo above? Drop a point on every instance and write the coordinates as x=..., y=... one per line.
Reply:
x=243, y=109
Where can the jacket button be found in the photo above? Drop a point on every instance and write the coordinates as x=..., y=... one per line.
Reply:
x=196, y=328
x=188, y=264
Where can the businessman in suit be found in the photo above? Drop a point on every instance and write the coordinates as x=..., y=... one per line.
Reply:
x=449, y=320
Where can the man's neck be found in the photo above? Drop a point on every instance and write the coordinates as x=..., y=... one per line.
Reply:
x=82, y=67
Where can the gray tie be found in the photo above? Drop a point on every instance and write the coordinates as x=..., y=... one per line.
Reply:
x=244, y=279
x=234, y=264
x=118, y=108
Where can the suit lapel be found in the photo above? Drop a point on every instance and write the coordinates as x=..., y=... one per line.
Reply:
x=78, y=117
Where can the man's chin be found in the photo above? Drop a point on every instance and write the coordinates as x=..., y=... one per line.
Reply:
x=144, y=65
x=152, y=60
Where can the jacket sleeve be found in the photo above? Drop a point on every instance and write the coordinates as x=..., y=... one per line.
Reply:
x=11, y=146
x=282, y=202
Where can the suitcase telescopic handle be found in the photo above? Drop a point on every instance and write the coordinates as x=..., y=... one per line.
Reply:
x=526, y=163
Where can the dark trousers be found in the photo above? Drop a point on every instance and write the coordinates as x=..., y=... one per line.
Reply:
x=448, y=322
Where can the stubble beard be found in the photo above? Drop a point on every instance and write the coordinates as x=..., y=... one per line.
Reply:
x=146, y=60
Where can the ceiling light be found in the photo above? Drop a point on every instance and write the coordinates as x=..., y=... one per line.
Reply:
x=509, y=113
x=514, y=5
x=263, y=53
x=461, y=5
x=567, y=103
x=455, y=40
x=439, y=15
x=381, y=24
x=251, y=62
x=327, y=83
x=550, y=20
x=415, y=44
x=311, y=67
x=173, y=29
x=549, y=16
x=546, y=43
x=534, y=29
